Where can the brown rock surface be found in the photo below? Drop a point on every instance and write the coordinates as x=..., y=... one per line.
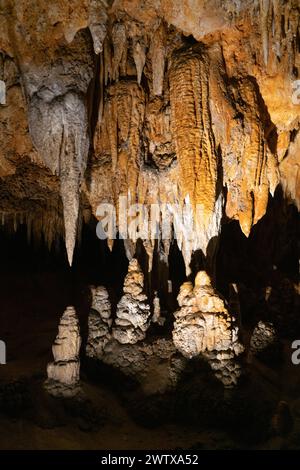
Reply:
x=161, y=101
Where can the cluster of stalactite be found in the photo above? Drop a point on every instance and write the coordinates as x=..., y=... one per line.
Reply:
x=158, y=110
x=46, y=226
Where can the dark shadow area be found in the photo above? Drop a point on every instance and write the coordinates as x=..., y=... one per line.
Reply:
x=37, y=284
x=265, y=267
x=273, y=245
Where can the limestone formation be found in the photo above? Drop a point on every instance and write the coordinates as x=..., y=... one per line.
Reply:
x=133, y=310
x=263, y=335
x=156, y=317
x=176, y=102
x=123, y=347
x=99, y=322
x=192, y=128
x=154, y=363
x=64, y=373
x=204, y=326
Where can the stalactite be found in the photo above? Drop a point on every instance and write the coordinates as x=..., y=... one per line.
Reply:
x=195, y=149
x=139, y=56
x=97, y=23
x=264, y=22
x=290, y=172
x=112, y=129
x=107, y=61
x=47, y=224
x=250, y=168
x=123, y=114
x=157, y=54
x=101, y=89
x=110, y=244
x=149, y=248
x=60, y=132
x=191, y=127
x=120, y=47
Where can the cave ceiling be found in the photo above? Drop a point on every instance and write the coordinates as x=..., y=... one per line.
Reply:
x=159, y=100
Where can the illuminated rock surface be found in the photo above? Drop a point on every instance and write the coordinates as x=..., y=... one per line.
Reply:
x=191, y=105
x=99, y=322
x=64, y=373
x=171, y=102
x=203, y=325
x=133, y=311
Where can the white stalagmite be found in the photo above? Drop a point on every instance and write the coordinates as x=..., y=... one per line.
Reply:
x=99, y=322
x=156, y=317
x=204, y=326
x=64, y=373
x=133, y=310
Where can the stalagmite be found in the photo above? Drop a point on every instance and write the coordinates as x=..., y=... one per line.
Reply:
x=99, y=322
x=263, y=335
x=64, y=373
x=176, y=124
x=156, y=317
x=133, y=311
x=204, y=326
